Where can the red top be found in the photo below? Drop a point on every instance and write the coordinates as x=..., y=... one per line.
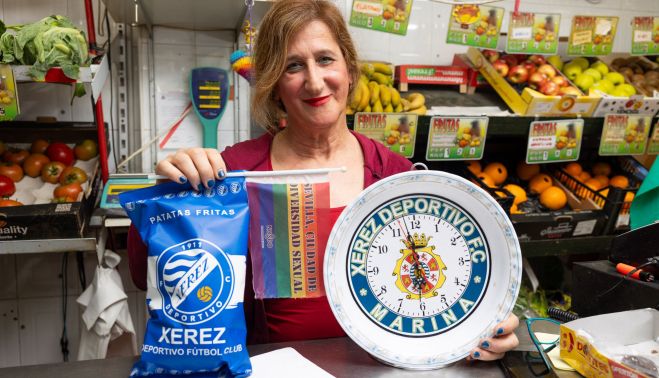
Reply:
x=278, y=320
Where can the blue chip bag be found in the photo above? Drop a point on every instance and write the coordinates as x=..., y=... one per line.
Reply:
x=197, y=248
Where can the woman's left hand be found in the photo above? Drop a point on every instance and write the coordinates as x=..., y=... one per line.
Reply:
x=503, y=340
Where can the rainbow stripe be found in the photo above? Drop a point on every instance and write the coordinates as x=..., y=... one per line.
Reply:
x=288, y=231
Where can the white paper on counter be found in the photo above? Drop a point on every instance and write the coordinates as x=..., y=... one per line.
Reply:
x=285, y=363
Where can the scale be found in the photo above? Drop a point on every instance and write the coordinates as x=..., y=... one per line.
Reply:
x=209, y=92
x=119, y=183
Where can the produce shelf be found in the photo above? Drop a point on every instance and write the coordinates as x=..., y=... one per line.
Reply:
x=571, y=246
x=47, y=245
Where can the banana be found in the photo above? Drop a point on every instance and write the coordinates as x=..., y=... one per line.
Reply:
x=395, y=97
x=385, y=95
x=377, y=107
x=382, y=68
x=405, y=104
x=356, y=97
x=349, y=111
x=367, y=109
x=363, y=78
x=389, y=108
x=398, y=108
x=365, y=97
x=367, y=69
x=420, y=110
x=380, y=78
x=416, y=100
x=375, y=92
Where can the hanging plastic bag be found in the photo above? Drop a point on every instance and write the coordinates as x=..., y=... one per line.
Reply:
x=197, y=247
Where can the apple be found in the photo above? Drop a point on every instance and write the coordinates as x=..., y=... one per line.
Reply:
x=601, y=67
x=594, y=73
x=518, y=74
x=547, y=69
x=572, y=70
x=584, y=81
x=560, y=81
x=603, y=85
x=511, y=60
x=582, y=62
x=628, y=89
x=491, y=55
x=538, y=60
x=529, y=66
x=615, y=78
x=501, y=67
x=555, y=61
x=569, y=91
x=536, y=80
x=549, y=88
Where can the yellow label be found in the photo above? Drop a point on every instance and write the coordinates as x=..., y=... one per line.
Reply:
x=582, y=37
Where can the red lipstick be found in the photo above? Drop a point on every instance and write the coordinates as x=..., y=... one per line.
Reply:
x=317, y=101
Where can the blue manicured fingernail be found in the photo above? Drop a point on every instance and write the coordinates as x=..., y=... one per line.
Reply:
x=499, y=331
x=477, y=355
x=200, y=188
x=182, y=180
x=211, y=183
x=221, y=173
x=485, y=345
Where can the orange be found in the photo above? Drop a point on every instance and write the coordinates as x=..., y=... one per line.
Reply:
x=553, y=198
x=584, y=176
x=539, y=183
x=497, y=172
x=487, y=180
x=629, y=197
x=527, y=171
x=573, y=169
x=601, y=168
x=605, y=192
x=518, y=192
x=474, y=166
x=515, y=210
x=594, y=184
x=619, y=181
x=604, y=181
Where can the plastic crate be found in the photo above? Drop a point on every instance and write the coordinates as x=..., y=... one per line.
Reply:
x=503, y=197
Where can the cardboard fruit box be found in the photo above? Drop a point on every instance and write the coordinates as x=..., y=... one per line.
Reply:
x=39, y=218
x=531, y=102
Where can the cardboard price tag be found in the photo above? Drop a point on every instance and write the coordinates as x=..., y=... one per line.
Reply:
x=645, y=35
x=395, y=130
x=624, y=134
x=533, y=33
x=456, y=138
x=9, y=108
x=475, y=25
x=389, y=16
x=592, y=35
x=554, y=141
x=653, y=145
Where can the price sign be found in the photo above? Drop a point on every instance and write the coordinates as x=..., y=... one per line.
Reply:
x=554, y=141
x=645, y=35
x=653, y=146
x=456, y=138
x=395, y=130
x=387, y=16
x=592, y=35
x=624, y=134
x=9, y=108
x=533, y=33
x=475, y=25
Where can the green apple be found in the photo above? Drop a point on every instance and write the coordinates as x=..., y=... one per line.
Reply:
x=572, y=70
x=594, y=73
x=601, y=67
x=604, y=86
x=582, y=62
x=556, y=61
x=615, y=78
x=584, y=81
x=628, y=89
x=618, y=92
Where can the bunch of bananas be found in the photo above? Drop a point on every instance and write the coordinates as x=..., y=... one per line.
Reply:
x=375, y=93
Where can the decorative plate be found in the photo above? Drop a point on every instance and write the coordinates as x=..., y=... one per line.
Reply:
x=421, y=267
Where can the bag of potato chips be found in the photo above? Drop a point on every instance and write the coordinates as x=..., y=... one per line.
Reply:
x=197, y=247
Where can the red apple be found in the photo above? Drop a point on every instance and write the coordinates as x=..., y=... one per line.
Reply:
x=569, y=91
x=536, y=80
x=491, y=55
x=529, y=66
x=549, y=88
x=560, y=81
x=548, y=70
x=511, y=60
x=501, y=67
x=538, y=60
x=518, y=74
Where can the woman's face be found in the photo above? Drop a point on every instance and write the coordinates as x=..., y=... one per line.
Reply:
x=315, y=84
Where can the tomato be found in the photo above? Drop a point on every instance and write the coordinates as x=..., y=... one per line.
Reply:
x=68, y=193
x=58, y=151
x=71, y=175
x=7, y=187
x=8, y=203
x=86, y=149
x=11, y=170
x=39, y=146
x=52, y=171
x=34, y=164
x=15, y=156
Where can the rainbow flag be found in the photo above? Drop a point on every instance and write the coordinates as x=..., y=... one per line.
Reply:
x=289, y=227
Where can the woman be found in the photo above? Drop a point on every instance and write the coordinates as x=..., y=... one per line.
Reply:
x=305, y=68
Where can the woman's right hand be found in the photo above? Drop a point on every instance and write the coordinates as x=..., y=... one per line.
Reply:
x=198, y=166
